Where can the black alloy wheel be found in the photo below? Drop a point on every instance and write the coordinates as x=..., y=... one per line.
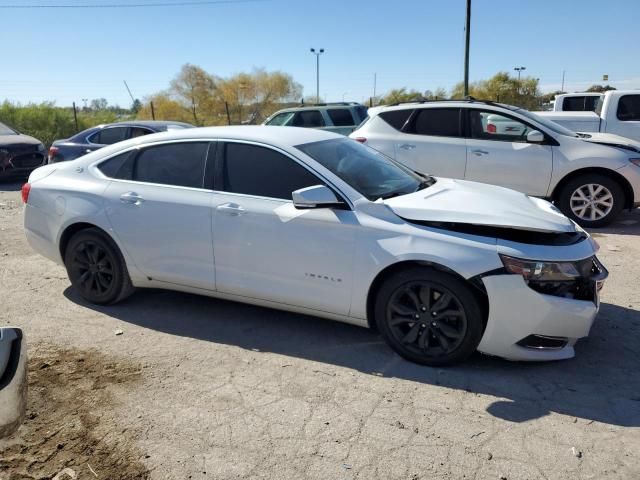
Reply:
x=96, y=268
x=429, y=317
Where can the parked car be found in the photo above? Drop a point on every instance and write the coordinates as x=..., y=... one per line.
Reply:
x=97, y=137
x=13, y=380
x=313, y=222
x=341, y=117
x=576, y=102
x=616, y=112
x=591, y=178
x=19, y=154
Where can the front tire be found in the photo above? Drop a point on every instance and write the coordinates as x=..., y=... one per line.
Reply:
x=592, y=200
x=96, y=267
x=429, y=317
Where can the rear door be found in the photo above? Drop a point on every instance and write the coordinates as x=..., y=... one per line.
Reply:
x=161, y=212
x=431, y=142
x=627, y=117
x=498, y=153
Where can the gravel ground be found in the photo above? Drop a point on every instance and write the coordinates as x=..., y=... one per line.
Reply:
x=200, y=388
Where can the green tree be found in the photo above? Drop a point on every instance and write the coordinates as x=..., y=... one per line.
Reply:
x=505, y=89
x=195, y=88
x=599, y=88
x=398, y=95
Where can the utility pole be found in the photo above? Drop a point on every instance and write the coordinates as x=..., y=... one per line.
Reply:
x=317, y=54
x=562, y=88
x=375, y=79
x=467, y=35
x=129, y=90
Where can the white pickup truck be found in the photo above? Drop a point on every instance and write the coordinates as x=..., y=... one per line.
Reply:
x=576, y=102
x=617, y=112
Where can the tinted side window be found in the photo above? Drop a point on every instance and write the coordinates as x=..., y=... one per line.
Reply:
x=341, y=117
x=139, y=132
x=263, y=172
x=396, y=118
x=180, y=164
x=441, y=122
x=114, y=167
x=629, y=108
x=487, y=125
x=308, y=119
x=362, y=113
x=109, y=135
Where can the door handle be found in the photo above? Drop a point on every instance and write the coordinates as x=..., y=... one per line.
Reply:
x=480, y=152
x=131, y=197
x=231, y=209
x=407, y=146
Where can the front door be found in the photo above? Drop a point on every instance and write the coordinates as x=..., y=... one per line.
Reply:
x=498, y=153
x=267, y=249
x=161, y=213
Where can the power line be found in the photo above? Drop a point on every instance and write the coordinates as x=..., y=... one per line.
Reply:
x=130, y=5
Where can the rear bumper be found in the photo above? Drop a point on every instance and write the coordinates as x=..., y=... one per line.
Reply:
x=516, y=312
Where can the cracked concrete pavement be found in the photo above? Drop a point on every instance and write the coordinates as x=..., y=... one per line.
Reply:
x=234, y=391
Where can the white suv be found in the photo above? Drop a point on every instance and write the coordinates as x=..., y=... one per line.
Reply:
x=590, y=177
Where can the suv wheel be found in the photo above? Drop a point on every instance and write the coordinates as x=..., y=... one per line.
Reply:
x=429, y=317
x=96, y=268
x=592, y=200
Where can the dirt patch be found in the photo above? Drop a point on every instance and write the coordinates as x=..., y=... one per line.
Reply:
x=70, y=420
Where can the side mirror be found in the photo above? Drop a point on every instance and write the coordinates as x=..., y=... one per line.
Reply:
x=535, y=136
x=318, y=196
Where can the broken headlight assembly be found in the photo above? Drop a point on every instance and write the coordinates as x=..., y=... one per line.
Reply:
x=580, y=280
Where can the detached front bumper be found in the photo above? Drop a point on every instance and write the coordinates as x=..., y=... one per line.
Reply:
x=516, y=312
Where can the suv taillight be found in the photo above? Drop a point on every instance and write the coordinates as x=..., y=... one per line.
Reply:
x=26, y=188
x=360, y=139
x=53, y=151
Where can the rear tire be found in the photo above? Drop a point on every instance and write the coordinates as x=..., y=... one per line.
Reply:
x=429, y=317
x=592, y=200
x=96, y=268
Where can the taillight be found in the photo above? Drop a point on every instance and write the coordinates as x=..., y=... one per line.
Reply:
x=360, y=139
x=491, y=128
x=26, y=188
x=53, y=151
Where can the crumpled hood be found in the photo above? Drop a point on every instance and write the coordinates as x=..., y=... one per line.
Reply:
x=461, y=201
x=613, y=140
x=18, y=140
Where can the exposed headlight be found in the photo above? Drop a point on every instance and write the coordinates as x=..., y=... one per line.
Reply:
x=635, y=161
x=541, y=271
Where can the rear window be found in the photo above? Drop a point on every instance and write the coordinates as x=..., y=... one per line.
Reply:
x=109, y=135
x=580, y=104
x=396, y=118
x=629, y=108
x=361, y=112
x=439, y=122
x=341, y=117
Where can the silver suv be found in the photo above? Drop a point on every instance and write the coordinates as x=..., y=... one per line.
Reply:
x=340, y=117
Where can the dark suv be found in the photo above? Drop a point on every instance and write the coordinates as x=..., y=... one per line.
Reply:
x=103, y=135
x=341, y=117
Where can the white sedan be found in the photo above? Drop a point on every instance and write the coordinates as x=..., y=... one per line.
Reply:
x=312, y=222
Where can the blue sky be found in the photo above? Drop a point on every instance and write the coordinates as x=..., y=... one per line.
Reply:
x=70, y=54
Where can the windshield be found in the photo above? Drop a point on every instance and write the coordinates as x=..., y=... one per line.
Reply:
x=4, y=130
x=553, y=126
x=369, y=172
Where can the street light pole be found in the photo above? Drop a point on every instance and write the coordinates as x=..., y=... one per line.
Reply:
x=467, y=38
x=519, y=70
x=317, y=54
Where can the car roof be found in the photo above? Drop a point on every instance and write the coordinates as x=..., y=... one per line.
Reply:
x=146, y=123
x=284, y=137
x=373, y=111
x=319, y=106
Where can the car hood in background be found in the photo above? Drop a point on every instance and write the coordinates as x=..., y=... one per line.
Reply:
x=18, y=140
x=612, y=140
x=460, y=201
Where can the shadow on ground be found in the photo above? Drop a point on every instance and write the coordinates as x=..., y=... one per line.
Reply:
x=601, y=384
x=627, y=223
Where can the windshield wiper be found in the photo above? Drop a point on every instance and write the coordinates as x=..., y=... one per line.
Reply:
x=391, y=195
